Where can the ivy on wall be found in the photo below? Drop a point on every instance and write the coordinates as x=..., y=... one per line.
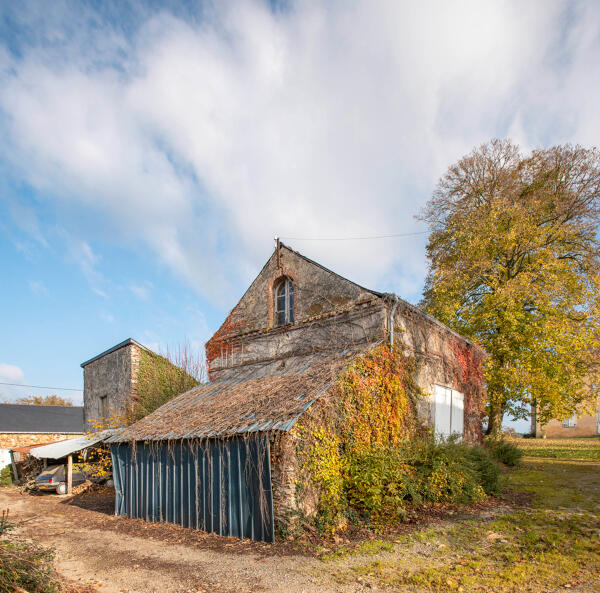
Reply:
x=158, y=381
x=365, y=455
x=372, y=408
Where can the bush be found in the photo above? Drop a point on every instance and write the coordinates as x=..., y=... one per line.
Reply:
x=381, y=483
x=504, y=451
x=487, y=469
x=5, y=476
x=25, y=566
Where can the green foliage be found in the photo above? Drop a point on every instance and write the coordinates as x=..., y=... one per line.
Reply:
x=161, y=378
x=370, y=457
x=25, y=566
x=381, y=483
x=514, y=261
x=5, y=476
x=504, y=451
x=488, y=470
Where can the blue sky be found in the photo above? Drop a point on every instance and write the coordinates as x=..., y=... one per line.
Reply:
x=150, y=152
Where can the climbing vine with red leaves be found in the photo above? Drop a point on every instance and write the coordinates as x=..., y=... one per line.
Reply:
x=469, y=374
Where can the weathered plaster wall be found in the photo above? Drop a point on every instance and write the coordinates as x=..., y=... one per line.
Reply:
x=12, y=440
x=587, y=426
x=266, y=351
x=113, y=376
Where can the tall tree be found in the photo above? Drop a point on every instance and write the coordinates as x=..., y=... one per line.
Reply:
x=514, y=263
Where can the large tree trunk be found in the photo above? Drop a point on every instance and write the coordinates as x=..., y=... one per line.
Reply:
x=534, y=418
x=495, y=416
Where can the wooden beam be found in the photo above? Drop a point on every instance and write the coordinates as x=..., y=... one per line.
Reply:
x=70, y=474
x=14, y=467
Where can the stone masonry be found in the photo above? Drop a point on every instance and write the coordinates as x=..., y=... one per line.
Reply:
x=109, y=382
x=19, y=439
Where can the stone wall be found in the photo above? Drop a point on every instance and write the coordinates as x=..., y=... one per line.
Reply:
x=113, y=376
x=247, y=334
x=265, y=351
x=444, y=358
x=13, y=440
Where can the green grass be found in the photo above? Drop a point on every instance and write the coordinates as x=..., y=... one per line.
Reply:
x=552, y=544
x=588, y=448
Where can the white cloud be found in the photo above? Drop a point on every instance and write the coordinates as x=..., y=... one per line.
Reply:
x=141, y=291
x=38, y=287
x=204, y=140
x=81, y=254
x=10, y=373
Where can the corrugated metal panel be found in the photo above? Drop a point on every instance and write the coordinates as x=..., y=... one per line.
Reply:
x=217, y=485
x=64, y=448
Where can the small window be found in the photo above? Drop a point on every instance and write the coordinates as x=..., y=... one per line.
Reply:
x=284, y=302
x=570, y=422
x=103, y=407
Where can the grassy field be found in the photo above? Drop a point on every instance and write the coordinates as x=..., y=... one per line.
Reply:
x=550, y=544
x=561, y=448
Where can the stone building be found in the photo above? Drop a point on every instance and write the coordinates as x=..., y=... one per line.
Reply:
x=23, y=425
x=109, y=381
x=273, y=361
x=578, y=425
x=296, y=307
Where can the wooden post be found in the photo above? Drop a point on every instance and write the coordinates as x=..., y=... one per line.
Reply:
x=70, y=474
x=14, y=467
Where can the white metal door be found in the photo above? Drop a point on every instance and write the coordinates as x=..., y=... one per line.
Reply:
x=456, y=420
x=443, y=411
x=448, y=412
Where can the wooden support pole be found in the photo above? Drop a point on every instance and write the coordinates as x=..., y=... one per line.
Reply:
x=14, y=467
x=70, y=474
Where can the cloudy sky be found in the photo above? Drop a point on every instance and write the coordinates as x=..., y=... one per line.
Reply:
x=149, y=154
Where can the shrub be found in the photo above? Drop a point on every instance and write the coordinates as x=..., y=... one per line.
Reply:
x=381, y=483
x=25, y=566
x=487, y=469
x=5, y=476
x=447, y=470
x=378, y=484
x=504, y=451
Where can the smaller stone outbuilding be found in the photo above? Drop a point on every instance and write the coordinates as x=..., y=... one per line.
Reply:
x=109, y=381
x=22, y=425
x=116, y=383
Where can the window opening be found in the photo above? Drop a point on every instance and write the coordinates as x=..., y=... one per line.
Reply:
x=284, y=302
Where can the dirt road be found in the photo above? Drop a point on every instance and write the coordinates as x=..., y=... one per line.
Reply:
x=124, y=555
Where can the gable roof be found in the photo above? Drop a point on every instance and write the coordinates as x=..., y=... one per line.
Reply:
x=127, y=342
x=20, y=418
x=326, y=269
x=241, y=405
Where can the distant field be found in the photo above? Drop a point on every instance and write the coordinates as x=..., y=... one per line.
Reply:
x=583, y=449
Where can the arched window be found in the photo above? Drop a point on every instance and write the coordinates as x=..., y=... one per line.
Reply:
x=284, y=301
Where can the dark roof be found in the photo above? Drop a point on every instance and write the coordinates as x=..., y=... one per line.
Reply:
x=41, y=419
x=127, y=342
x=250, y=403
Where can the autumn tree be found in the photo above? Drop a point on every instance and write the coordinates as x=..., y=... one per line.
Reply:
x=514, y=265
x=44, y=400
